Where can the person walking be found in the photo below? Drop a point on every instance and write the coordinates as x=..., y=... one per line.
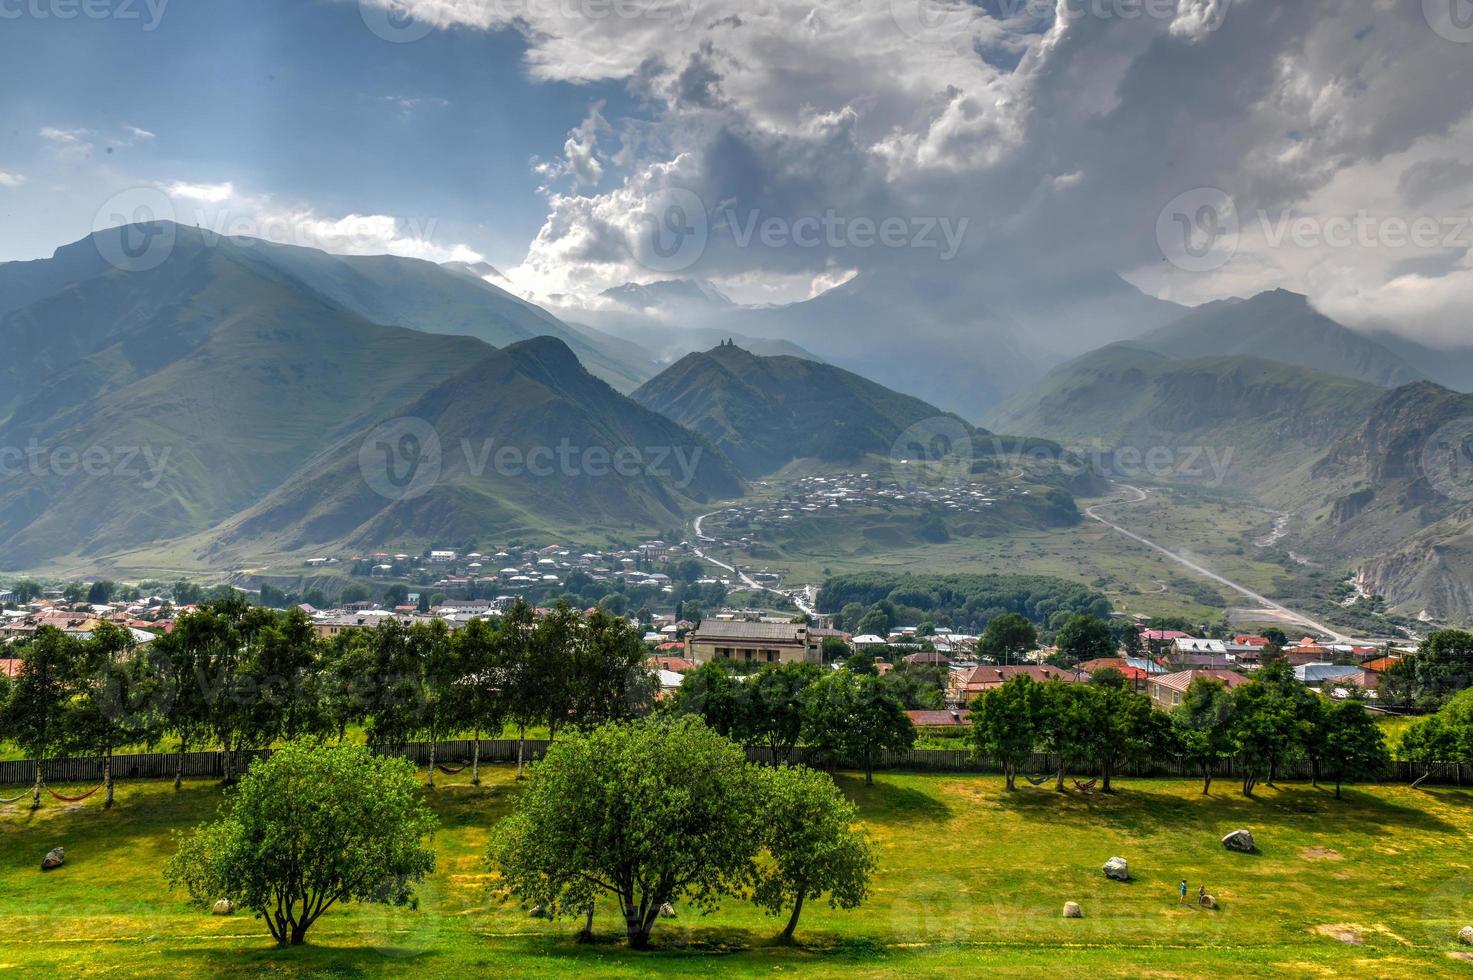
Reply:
x=1183, y=899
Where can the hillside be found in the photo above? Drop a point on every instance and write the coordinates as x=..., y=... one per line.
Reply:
x=526, y=439
x=1280, y=326
x=765, y=412
x=1261, y=419
x=198, y=386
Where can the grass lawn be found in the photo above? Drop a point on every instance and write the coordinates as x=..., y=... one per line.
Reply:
x=972, y=880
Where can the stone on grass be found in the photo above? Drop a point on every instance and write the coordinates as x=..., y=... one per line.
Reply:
x=224, y=907
x=1239, y=840
x=54, y=858
x=1117, y=869
x=667, y=911
x=1208, y=902
x=1073, y=911
x=1465, y=935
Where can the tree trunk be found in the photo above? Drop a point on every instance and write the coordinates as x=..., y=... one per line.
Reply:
x=430, y=779
x=179, y=767
x=1010, y=773
x=107, y=777
x=869, y=769
x=476, y=761
x=36, y=789
x=586, y=936
x=1314, y=772
x=1105, y=778
x=229, y=772
x=299, y=933
x=1206, y=779
x=521, y=739
x=793, y=919
x=1249, y=781
x=1337, y=787
x=1059, y=782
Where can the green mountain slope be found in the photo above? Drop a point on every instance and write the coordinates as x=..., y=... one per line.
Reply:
x=765, y=412
x=1279, y=326
x=1262, y=419
x=526, y=440
x=194, y=407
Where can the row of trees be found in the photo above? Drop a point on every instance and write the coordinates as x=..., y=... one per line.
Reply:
x=845, y=715
x=244, y=677
x=1262, y=726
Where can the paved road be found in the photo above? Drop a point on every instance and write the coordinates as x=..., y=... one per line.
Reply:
x=1267, y=603
x=799, y=596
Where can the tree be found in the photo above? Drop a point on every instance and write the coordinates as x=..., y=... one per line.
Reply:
x=179, y=661
x=853, y=717
x=1267, y=723
x=311, y=826
x=773, y=715
x=111, y=698
x=526, y=674
x=607, y=676
x=1202, y=726
x=1085, y=637
x=649, y=812
x=283, y=674
x=1355, y=746
x=1007, y=638
x=1005, y=724
x=1127, y=728
x=35, y=713
x=1441, y=667
x=712, y=693
x=481, y=706
x=814, y=845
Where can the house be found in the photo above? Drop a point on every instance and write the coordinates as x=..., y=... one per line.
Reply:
x=869, y=640
x=940, y=719
x=1169, y=690
x=928, y=659
x=963, y=684
x=766, y=643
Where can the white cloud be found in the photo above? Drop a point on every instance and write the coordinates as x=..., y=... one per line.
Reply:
x=137, y=135
x=209, y=193
x=8, y=179
x=55, y=134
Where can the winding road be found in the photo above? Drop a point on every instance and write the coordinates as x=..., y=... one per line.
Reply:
x=1283, y=611
x=798, y=596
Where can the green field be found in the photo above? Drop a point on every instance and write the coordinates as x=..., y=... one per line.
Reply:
x=971, y=881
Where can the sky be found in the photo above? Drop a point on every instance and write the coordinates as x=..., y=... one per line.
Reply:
x=1198, y=148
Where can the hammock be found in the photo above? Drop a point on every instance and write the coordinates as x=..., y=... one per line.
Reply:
x=1415, y=784
x=75, y=799
x=451, y=772
x=1086, y=788
x=1038, y=780
x=15, y=799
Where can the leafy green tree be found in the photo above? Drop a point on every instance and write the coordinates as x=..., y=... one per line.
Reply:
x=526, y=673
x=480, y=706
x=848, y=716
x=608, y=679
x=1007, y=638
x=875, y=622
x=1128, y=728
x=773, y=713
x=112, y=698
x=1355, y=746
x=1084, y=637
x=1267, y=724
x=1441, y=667
x=712, y=693
x=283, y=675
x=179, y=662
x=35, y=713
x=1005, y=724
x=1203, y=727
x=649, y=812
x=441, y=712
x=814, y=844
x=309, y=827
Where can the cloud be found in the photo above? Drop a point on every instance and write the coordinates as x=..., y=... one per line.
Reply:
x=209, y=193
x=1060, y=130
x=8, y=179
x=55, y=134
x=136, y=135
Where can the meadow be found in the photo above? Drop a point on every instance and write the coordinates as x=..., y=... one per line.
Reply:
x=971, y=878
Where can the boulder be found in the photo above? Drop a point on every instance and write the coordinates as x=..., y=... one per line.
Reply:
x=1465, y=935
x=1208, y=902
x=1117, y=869
x=1073, y=911
x=224, y=907
x=538, y=912
x=1239, y=840
x=667, y=911
x=54, y=858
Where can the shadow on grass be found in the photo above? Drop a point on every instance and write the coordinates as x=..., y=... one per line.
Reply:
x=887, y=802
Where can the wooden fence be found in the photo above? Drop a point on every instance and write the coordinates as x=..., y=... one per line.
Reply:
x=196, y=765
